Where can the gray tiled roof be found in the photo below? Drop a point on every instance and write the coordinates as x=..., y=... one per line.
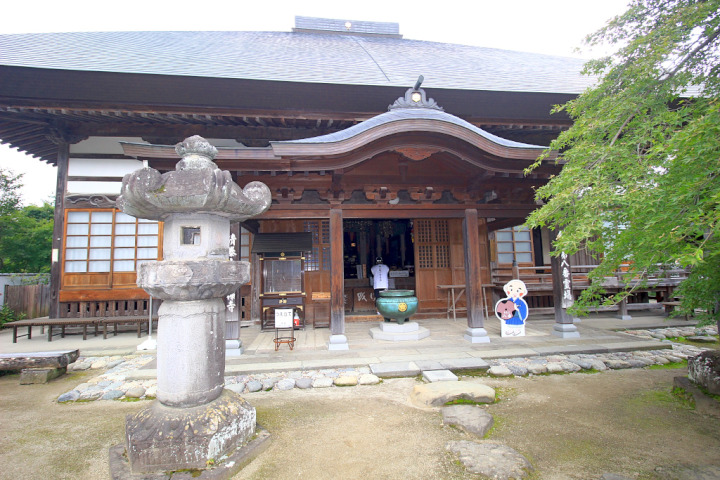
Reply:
x=297, y=57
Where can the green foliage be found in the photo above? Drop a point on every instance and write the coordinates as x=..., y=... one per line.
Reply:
x=640, y=181
x=7, y=314
x=10, y=185
x=26, y=240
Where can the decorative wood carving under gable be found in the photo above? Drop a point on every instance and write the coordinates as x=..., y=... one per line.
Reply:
x=90, y=201
x=426, y=195
x=416, y=153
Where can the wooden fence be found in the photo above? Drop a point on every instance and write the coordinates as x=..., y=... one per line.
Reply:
x=32, y=300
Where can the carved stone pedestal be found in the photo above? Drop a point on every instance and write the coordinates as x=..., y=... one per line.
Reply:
x=162, y=438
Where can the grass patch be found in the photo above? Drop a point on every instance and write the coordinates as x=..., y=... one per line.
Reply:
x=499, y=424
x=464, y=401
x=504, y=393
x=477, y=372
x=687, y=341
x=669, y=366
x=656, y=398
x=683, y=397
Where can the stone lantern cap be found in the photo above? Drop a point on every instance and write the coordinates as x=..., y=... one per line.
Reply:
x=196, y=186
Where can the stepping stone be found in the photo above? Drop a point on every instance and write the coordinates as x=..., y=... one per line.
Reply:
x=470, y=418
x=439, y=393
x=465, y=364
x=346, y=381
x=703, y=339
x=500, y=371
x=492, y=460
x=368, y=379
x=395, y=369
x=439, y=376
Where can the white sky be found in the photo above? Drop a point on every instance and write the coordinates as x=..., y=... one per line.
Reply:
x=554, y=27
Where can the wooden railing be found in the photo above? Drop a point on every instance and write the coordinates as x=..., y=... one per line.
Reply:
x=540, y=277
x=538, y=280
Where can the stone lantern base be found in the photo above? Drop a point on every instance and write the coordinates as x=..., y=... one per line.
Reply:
x=161, y=438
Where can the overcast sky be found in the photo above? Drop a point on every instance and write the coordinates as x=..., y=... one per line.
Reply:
x=554, y=27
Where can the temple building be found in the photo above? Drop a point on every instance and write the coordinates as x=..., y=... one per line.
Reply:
x=373, y=146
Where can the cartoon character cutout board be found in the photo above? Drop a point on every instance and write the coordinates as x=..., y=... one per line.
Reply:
x=512, y=311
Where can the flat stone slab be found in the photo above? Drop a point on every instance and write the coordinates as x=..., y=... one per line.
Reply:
x=439, y=376
x=470, y=418
x=465, y=364
x=395, y=369
x=54, y=359
x=439, y=393
x=492, y=460
x=403, y=335
x=429, y=365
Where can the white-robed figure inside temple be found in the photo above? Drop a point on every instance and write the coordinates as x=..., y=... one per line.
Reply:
x=380, y=273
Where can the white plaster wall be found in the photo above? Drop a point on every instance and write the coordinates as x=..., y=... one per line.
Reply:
x=93, y=167
x=92, y=188
x=103, y=145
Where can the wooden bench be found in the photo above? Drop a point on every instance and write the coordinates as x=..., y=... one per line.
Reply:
x=670, y=308
x=62, y=323
x=38, y=367
x=139, y=322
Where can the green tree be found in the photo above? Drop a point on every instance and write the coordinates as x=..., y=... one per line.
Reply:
x=640, y=182
x=25, y=232
x=10, y=185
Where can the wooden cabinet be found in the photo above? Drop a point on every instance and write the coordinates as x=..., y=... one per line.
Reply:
x=282, y=275
x=282, y=287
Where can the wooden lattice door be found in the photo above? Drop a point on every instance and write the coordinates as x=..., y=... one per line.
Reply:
x=433, y=262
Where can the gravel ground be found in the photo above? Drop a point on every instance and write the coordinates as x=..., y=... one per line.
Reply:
x=570, y=426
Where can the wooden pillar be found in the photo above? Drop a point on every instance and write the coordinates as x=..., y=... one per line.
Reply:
x=475, y=332
x=58, y=228
x=562, y=293
x=338, y=340
x=623, y=313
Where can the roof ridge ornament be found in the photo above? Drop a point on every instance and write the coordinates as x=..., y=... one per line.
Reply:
x=415, y=98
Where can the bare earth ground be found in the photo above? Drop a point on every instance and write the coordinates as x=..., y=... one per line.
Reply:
x=574, y=426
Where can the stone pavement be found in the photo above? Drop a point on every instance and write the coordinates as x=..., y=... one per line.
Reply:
x=444, y=346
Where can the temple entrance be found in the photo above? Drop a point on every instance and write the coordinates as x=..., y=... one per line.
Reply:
x=364, y=241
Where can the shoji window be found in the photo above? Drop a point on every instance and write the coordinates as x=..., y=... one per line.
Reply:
x=514, y=244
x=105, y=247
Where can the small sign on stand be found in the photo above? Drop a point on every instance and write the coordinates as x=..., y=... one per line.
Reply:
x=284, y=321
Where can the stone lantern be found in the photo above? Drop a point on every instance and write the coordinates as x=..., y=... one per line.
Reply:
x=194, y=421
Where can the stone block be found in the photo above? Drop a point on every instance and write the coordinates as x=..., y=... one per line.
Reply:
x=395, y=369
x=161, y=438
x=439, y=376
x=704, y=370
x=30, y=376
x=439, y=393
x=465, y=364
x=393, y=332
x=490, y=459
x=470, y=418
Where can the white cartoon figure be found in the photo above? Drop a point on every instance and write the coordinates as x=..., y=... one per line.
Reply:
x=513, y=310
